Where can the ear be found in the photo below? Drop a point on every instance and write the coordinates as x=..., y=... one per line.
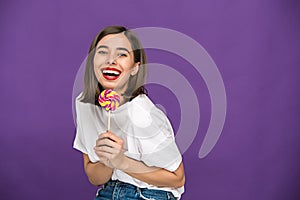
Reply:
x=135, y=69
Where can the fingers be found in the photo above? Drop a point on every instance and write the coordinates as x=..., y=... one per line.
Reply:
x=109, y=143
x=106, y=149
x=109, y=149
x=111, y=136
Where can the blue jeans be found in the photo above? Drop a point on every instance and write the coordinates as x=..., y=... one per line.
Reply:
x=117, y=190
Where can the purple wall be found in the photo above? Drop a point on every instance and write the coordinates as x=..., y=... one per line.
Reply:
x=255, y=45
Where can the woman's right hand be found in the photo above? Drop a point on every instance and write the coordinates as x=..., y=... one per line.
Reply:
x=109, y=149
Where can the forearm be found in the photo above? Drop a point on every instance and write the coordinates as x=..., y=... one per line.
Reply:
x=97, y=173
x=153, y=175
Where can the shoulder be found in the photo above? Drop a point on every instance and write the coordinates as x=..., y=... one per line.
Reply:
x=79, y=98
x=81, y=105
x=142, y=100
x=145, y=104
x=78, y=101
x=144, y=113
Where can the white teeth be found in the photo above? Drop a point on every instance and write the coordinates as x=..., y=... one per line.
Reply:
x=111, y=72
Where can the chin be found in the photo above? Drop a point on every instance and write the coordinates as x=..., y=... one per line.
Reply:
x=108, y=86
x=114, y=85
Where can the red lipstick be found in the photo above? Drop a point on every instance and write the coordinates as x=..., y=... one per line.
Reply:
x=111, y=73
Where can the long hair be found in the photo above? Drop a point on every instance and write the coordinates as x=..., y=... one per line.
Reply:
x=92, y=88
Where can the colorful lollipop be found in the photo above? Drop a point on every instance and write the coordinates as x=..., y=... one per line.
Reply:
x=110, y=100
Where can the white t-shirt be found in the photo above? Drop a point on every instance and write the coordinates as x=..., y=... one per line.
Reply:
x=146, y=131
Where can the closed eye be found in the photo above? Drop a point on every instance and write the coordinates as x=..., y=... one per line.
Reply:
x=103, y=52
x=122, y=55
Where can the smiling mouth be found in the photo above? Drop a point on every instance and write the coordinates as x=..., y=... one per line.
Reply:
x=111, y=73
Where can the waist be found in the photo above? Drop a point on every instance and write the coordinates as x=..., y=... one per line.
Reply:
x=117, y=185
x=125, y=178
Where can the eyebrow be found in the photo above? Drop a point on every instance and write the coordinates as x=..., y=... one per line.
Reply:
x=102, y=46
x=123, y=49
x=119, y=48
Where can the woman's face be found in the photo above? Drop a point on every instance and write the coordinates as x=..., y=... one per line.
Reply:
x=114, y=62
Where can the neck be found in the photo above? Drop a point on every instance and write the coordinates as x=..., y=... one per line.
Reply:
x=122, y=100
x=121, y=91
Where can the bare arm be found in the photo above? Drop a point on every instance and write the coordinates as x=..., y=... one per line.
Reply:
x=109, y=149
x=162, y=177
x=97, y=173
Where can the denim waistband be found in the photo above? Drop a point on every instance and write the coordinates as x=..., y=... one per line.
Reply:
x=141, y=191
x=113, y=183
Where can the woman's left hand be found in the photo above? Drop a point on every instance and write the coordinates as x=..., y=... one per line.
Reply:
x=109, y=148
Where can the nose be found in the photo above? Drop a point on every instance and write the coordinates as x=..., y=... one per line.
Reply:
x=111, y=60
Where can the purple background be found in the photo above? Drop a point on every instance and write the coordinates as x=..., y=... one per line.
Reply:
x=255, y=45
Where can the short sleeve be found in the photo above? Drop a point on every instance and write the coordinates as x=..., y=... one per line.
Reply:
x=167, y=157
x=159, y=147
x=79, y=142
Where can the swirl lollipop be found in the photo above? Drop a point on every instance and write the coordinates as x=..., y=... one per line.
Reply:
x=110, y=100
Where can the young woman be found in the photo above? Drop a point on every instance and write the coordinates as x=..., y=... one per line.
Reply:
x=138, y=158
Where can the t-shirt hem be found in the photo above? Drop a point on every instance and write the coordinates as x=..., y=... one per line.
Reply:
x=78, y=148
x=173, y=167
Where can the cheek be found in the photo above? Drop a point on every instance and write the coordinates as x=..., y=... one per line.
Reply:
x=98, y=60
x=127, y=65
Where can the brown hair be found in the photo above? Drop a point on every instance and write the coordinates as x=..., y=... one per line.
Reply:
x=92, y=88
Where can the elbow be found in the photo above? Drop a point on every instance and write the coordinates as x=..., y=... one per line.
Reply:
x=90, y=177
x=180, y=182
x=180, y=176
x=94, y=182
x=97, y=181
